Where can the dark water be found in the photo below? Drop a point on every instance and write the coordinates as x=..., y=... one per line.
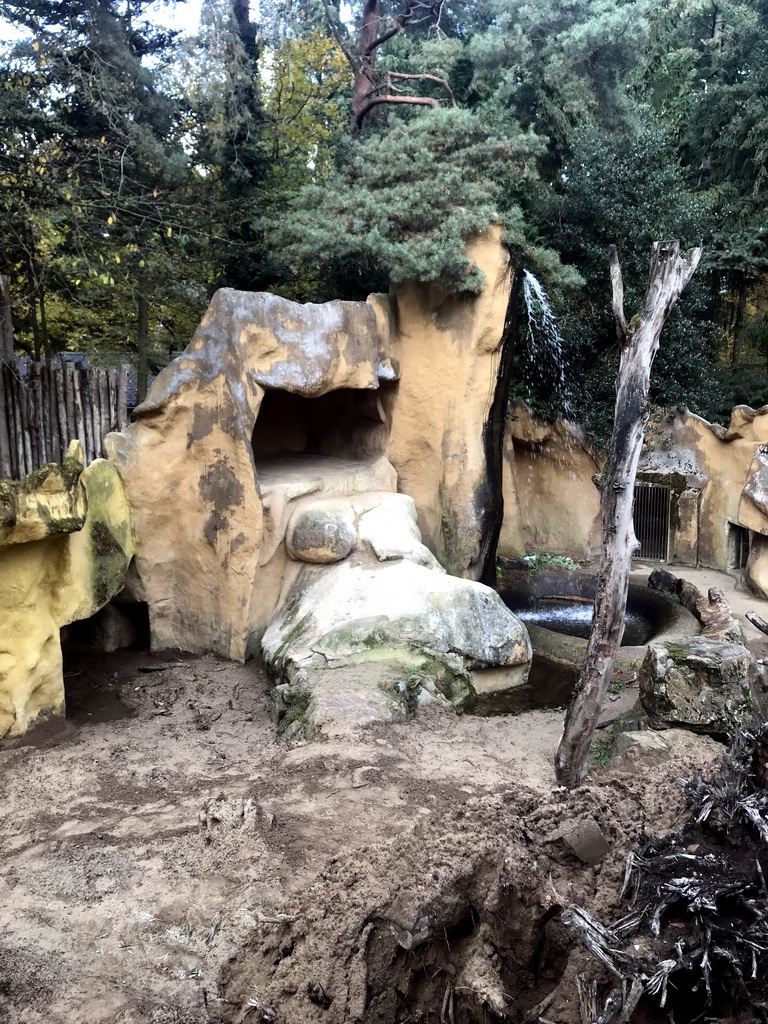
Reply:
x=574, y=618
x=550, y=685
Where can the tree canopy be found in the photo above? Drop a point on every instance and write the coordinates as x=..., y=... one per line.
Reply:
x=330, y=150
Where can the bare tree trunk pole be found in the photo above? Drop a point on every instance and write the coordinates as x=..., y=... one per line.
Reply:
x=669, y=274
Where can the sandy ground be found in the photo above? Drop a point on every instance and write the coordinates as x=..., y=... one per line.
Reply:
x=168, y=860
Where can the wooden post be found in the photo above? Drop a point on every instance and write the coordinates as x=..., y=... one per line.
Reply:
x=6, y=321
x=112, y=376
x=142, y=337
x=26, y=425
x=122, y=398
x=61, y=408
x=669, y=274
x=69, y=401
x=106, y=419
x=19, y=430
x=79, y=416
x=6, y=420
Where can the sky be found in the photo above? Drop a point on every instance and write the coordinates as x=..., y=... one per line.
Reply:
x=182, y=16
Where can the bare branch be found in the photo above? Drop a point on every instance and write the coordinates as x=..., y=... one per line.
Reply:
x=430, y=78
x=422, y=101
x=617, y=284
x=401, y=21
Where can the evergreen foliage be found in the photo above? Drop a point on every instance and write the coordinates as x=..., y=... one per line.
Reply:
x=140, y=170
x=403, y=203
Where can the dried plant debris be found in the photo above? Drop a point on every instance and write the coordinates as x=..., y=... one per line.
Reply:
x=695, y=938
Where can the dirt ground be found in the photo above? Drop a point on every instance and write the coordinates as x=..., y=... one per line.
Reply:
x=168, y=860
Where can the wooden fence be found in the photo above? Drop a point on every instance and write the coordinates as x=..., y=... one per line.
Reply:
x=45, y=407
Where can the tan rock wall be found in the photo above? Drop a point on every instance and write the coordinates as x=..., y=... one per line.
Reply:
x=56, y=578
x=551, y=503
x=448, y=351
x=550, y=500
x=706, y=466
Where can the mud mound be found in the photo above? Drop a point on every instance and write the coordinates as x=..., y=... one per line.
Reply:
x=450, y=921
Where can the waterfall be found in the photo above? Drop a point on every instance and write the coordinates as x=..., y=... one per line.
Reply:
x=545, y=342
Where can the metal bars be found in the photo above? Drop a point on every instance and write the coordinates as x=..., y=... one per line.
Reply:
x=650, y=514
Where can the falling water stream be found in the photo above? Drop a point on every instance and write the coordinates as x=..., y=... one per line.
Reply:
x=545, y=342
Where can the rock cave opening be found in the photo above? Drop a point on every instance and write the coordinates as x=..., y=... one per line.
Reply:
x=92, y=695
x=294, y=431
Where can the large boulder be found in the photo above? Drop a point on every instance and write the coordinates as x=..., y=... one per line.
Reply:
x=700, y=684
x=410, y=632
x=322, y=533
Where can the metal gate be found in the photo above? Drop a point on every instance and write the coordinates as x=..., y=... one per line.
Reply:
x=650, y=512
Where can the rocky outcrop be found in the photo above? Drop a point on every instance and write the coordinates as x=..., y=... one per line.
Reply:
x=274, y=401
x=447, y=412
x=700, y=684
x=189, y=466
x=376, y=635
x=63, y=559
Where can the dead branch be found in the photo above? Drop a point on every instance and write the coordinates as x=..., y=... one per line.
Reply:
x=756, y=620
x=430, y=78
x=423, y=101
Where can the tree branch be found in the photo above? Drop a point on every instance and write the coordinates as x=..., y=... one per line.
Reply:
x=336, y=34
x=430, y=78
x=423, y=101
x=400, y=22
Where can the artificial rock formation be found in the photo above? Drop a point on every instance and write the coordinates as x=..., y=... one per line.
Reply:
x=453, y=353
x=753, y=514
x=551, y=502
x=274, y=401
x=66, y=540
x=386, y=629
x=717, y=479
x=189, y=465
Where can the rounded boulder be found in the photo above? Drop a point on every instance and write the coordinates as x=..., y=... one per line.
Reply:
x=321, y=535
